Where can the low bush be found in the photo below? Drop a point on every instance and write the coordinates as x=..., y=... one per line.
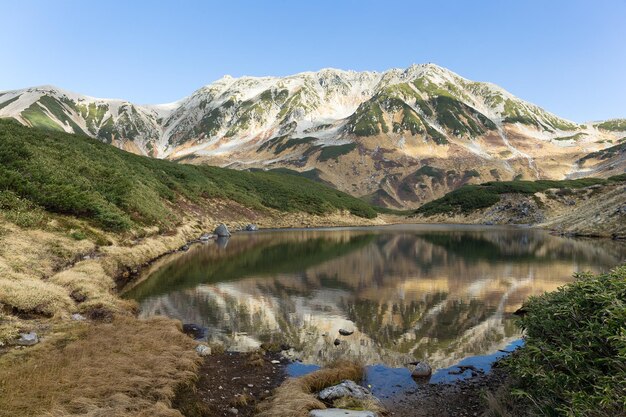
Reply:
x=116, y=190
x=474, y=197
x=574, y=359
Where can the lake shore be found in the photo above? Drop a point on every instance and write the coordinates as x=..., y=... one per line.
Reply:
x=70, y=277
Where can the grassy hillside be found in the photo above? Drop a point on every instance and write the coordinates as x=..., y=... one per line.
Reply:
x=474, y=197
x=76, y=175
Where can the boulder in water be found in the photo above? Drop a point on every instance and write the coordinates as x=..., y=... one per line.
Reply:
x=222, y=231
x=252, y=227
x=422, y=370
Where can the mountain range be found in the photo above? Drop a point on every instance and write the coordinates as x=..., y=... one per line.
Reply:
x=397, y=138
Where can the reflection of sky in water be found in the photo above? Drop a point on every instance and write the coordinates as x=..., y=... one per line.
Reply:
x=385, y=381
x=439, y=293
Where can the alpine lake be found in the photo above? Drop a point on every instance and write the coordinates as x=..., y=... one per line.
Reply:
x=444, y=294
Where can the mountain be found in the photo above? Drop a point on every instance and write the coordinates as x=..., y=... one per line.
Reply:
x=398, y=138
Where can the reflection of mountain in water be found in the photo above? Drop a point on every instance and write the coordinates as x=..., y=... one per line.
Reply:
x=408, y=292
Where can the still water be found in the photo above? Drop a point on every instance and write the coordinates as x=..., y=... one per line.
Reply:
x=440, y=293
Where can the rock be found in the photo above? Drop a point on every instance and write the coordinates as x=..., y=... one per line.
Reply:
x=222, y=231
x=78, y=317
x=205, y=237
x=203, y=350
x=27, y=339
x=184, y=248
x=275, y=362
x=193, y=330
x=233, y=411
x=346, y=388
x=340, y=412
x=422, y=370
x=345, y=332
x=252, y=228
x=337, y=342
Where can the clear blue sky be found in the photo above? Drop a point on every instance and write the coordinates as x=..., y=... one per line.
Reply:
x=566, y=56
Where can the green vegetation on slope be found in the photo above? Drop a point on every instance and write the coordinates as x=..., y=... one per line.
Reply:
x=334, y=152
x=473, y=197
x=116, y=190
x=604, y=153
x=617, y=125
x=573, y=363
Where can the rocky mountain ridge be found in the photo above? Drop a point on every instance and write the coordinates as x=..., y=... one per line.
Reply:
x=398, y=137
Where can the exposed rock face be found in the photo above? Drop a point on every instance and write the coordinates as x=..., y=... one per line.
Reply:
x=222, y=231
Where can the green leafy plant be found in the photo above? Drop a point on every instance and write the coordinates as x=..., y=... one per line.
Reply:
x=574, y=359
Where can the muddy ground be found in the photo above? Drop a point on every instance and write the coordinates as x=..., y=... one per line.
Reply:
x=234, y=381
x=465, y=398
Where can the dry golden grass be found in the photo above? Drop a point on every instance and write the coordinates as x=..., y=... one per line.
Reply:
x=127, y=367
x=33, y=296
x=9, y=327
x=295, y=397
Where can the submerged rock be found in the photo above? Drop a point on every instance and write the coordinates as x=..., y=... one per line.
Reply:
x=193, y=330
x=27, y=339
x=222, y=231
x=252, y=227
x=203, y=350
x=340, y=412
x=346, y=388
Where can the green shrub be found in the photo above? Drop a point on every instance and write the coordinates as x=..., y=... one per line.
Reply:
x=334, y=152
x=574, y=359
x=473, y=197
x=77, y=175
